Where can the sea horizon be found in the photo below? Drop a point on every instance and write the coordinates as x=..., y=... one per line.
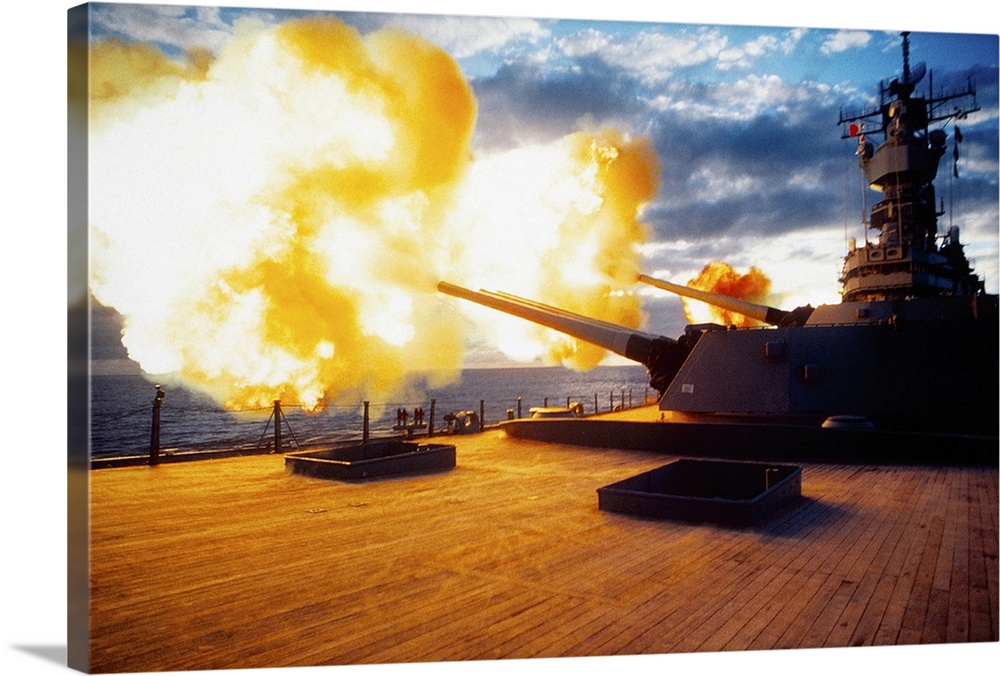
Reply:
x=121, y=407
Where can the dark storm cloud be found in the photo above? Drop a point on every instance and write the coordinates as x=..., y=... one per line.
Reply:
x=771, y=177
x=772, y=172
x=522, y=103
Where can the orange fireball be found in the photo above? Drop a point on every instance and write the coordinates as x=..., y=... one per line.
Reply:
x=720, y=278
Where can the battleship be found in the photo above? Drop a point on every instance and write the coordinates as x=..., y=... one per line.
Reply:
x=907, y=357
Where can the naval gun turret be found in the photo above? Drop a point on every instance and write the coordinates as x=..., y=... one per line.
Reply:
x=662, y=356
x=912, y=346
x=897, y=365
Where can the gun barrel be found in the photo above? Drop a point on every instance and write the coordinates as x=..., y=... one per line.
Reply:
x=763, y=313
x=634, y=345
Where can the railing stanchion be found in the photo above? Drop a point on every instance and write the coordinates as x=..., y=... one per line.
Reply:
x=154, y=434
x=277, y=426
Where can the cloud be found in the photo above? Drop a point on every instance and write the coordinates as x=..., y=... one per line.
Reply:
x=523, y=104
x=841, y=41
x=625, y=81
x=466, y=36
x=174, y=26
x=738, y=100
x=655, y=55
x=758, y=156
x=651, y=55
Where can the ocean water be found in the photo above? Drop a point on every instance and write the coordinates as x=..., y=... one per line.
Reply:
x=122, y=409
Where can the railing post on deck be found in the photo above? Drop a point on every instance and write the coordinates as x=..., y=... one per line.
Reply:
x=277, y=426
x=482, y=414
x=154, y=434
x=595, y=404
x=430, y=425
x=519, y=407
x=365, y=429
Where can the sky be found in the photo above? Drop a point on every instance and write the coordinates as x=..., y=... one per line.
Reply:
x=753, y=169
x=742, y=117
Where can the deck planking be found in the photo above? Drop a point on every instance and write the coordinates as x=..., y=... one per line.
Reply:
x=235, y=563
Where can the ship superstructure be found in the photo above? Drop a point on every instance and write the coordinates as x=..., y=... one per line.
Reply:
x=909, y=258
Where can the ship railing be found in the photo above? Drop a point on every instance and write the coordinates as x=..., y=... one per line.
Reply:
x=165, y=433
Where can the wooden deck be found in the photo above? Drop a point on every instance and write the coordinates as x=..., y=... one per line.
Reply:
x=236, y=563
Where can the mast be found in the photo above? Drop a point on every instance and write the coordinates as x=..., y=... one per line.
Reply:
x=906, y=260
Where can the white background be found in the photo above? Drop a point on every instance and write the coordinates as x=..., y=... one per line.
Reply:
x=33, y=378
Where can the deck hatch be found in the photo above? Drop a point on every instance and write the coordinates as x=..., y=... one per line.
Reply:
x=365, y=461
x=722, y=492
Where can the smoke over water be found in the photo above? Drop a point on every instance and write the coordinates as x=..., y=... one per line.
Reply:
x=272, y=220
x=720, y=278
